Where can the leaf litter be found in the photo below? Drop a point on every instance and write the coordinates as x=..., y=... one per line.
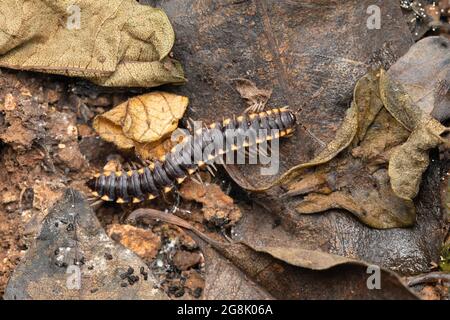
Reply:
x=270, y=273
x=281, y=273
x=382, y=128
x=136, y=56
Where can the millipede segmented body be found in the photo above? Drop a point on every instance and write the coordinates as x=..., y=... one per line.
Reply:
x=162, y=176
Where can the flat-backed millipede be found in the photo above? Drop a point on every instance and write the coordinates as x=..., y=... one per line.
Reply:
x=161, y=176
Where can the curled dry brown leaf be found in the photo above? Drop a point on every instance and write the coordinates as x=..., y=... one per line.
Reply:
x=350, y=172
x=141, y=121
x=410, y=160
x=112, y=43
x=261, y=272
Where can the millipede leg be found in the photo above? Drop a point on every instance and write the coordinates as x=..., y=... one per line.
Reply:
x=196, y=180
x=210, y=170
x=134, y=165
x=147, y=181
x=127, y=166
x=96, y=204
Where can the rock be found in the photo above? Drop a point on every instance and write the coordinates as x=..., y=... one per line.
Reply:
x=63, y=127
x=142, y=242
x=429, y=293
x=184, y=260
x=73, y=258
x=53, y=96
x=85, y=131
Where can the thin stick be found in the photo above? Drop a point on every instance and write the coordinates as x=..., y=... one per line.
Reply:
x=170, y=218
x=428, y=277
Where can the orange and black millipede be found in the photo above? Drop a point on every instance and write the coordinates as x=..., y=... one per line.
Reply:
x=161, y=176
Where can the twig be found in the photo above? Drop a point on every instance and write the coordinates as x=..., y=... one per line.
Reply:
x=428, y=277
x=172, y=219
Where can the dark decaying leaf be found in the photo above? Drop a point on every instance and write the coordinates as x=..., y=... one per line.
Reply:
x=424, y=72
x=276, y=42
x=356, y=180
x=282, y=272
x=282, y=51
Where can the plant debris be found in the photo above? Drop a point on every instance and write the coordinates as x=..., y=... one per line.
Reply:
x=210, y=239
x=218, y=209
x=79, y=38
x=141, y=121
x=280, y=272
x=72, y=236
x=357, y=180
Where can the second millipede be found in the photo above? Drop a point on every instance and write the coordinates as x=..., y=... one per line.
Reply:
x=149, y=181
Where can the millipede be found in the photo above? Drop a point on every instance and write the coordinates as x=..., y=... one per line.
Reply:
x=149, y=181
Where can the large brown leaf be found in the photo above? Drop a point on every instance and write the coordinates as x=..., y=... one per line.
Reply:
x=239, y=271
x=112, y=43
x=311, y=54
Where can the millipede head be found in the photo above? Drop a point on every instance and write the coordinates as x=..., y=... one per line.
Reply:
x=289, y=117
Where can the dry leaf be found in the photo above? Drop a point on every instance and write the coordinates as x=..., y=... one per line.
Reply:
x=256, y=98
x=356, y=180
x=344, y=136
x=151, y=116
x=108, y=126
x=261, y=272
x=410, y=160
x=112, y=43
x=141, y=121
x=366, y=96
x=153, y=150
x=41, y=273
x=309, y=65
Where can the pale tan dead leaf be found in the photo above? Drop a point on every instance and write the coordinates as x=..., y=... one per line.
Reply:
x=151, y=116
x=108, y=126
x=366, y=96
x=399, y=104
